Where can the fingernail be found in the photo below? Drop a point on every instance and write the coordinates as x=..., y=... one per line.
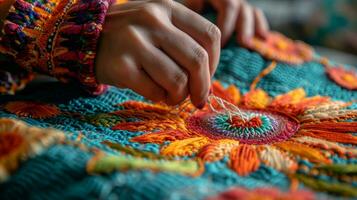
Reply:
x=201, y=105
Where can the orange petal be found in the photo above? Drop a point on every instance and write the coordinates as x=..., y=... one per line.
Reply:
x=217, y=150
x=303, y=105
x=161, y=137
x=289, y=98
x=341, y=127
x=133, y=126
x=138, y=105
x=145, y=115
x=309, y=102
x=256, y=99
x=234, y=94
x=185, y=147
x=231, y=94
x=32, y=109
x=150, y=125
x=277, y=159
x=302, y=150
x=331, y=136
x=244, y=159
x=343, y=77
x=276, y=46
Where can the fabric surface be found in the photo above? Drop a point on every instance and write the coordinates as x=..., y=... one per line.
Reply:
x=119, y=146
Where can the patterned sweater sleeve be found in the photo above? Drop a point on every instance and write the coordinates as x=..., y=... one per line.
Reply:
x=54, y=37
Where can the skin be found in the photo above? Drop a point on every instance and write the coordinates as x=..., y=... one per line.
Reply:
x=160, y=49
x=165, y=51
x=235, y=15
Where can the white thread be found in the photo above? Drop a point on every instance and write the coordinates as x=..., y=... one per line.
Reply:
x=229, y=108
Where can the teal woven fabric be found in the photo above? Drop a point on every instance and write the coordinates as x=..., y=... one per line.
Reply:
x=60, y=171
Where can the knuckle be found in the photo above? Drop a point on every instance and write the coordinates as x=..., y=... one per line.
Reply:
x=149, y=9
x=213, y=33
x=130, y=30
x=232, y=4
x=167, y=4
x=199, y=58
x=180, y=81
x=153, y=15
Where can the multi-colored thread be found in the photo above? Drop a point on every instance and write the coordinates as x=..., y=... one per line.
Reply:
x=275, y=133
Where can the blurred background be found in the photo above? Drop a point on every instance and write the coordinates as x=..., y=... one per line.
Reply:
x=329, y=25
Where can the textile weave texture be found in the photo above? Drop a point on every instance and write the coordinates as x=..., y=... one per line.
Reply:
x=120, y=146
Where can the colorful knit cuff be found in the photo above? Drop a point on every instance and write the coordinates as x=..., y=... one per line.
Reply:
x=58, y=38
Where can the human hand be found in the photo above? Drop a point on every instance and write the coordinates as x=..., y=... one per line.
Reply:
x=235, y=15
x=160, y=49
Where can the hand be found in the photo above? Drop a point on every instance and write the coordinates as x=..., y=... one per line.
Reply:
x=160, y=49
x=236, y=15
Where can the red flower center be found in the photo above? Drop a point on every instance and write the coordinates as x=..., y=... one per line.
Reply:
x=251, y=123
x=9, y=142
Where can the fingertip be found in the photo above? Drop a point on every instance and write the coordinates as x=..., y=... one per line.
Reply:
x=202, y=102
x=263, y=34
x=159, y=97
x=201, y=105
x=262, y=26
x=244, y=39
x=224, y=40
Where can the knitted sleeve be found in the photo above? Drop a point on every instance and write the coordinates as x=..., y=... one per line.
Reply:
x=56, y=37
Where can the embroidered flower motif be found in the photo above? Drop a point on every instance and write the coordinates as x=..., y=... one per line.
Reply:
x=280, y=48
x=262, y=193
x=343, y=77
x=19, y=141
x=279, y=132
x=32, y=109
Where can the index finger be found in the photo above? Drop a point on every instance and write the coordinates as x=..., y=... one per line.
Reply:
x=200, y=29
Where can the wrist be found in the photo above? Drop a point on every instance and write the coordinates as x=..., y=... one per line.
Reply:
x=58, y=38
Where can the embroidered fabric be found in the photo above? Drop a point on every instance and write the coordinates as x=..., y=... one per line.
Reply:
x=297, y=132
